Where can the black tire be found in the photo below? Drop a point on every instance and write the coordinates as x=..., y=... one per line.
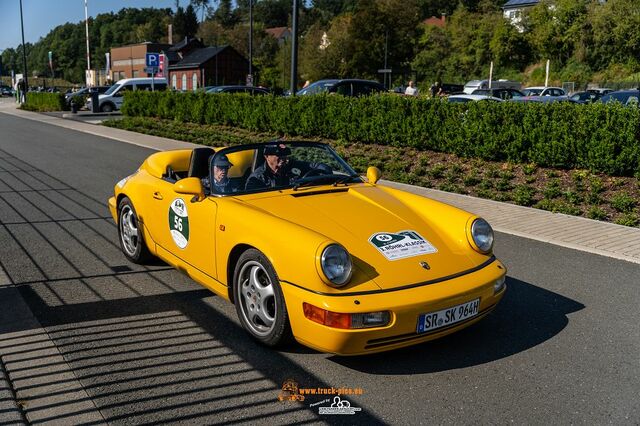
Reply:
x=108, y=107
x=262, y=312
x=130, y=235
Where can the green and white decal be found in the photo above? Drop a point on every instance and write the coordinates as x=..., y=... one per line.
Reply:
x=398, y=245
x=179, y=222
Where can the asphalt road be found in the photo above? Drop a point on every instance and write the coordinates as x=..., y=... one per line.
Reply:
x=149, y=345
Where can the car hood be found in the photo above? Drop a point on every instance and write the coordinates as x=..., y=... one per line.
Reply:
x=370, y=222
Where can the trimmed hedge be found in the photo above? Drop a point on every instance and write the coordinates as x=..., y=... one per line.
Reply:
x=600, y=137
x=45, y=102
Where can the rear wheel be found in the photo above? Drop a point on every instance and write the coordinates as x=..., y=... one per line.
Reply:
x=259, y=300
x=131, y=240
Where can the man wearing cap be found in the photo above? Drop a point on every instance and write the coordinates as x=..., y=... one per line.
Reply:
x=220, y=173
x=275, y=171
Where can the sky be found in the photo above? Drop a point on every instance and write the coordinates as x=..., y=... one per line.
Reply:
x=41, y=16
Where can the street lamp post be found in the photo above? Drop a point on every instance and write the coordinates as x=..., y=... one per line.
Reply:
x=251, y=40
x=294, y=49
x=24, y=56
x=86, y=26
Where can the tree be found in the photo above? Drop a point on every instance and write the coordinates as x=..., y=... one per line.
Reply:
x=224, y=14
x=272, y=13
x=201, y=5
x=185, y=22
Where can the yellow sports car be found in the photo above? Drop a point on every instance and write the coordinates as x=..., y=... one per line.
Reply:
x=306, y=248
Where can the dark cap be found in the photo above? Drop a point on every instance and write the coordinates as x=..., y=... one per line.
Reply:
x=281, y=150
x=221, y=160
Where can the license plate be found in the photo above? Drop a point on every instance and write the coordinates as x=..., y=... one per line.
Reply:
x=434, y=320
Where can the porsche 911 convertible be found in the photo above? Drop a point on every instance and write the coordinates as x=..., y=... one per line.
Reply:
x=307, y=249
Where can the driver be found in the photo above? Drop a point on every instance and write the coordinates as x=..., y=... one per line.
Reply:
x=277, y=169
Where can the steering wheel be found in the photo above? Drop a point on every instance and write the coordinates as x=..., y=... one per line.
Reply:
x=311, y=173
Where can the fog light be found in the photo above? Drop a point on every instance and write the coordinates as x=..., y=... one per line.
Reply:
x=499, y=284
x=345, y=321
x=370, y=319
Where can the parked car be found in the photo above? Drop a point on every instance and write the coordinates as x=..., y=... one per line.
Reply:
x=112, y=99
x=298, y=260
x=473, y=85
x=252, y=90
x=85, y=91
x=503, y=94
x=6, y=91
x=625, y=97
x=585, y=97
x=543, y=91
x=472, y=98
x=600, y=90
x=345, y=87
x=544, y=99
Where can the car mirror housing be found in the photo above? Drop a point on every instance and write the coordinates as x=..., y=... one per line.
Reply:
x=190, y=186
x=373, y=174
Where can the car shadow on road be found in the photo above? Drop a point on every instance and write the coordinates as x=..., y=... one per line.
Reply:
x=526, y=317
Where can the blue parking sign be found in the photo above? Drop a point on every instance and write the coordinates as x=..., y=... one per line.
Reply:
x=153, y=59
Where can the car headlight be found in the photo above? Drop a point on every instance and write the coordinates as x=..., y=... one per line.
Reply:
x=336, y=264
x=482, y=235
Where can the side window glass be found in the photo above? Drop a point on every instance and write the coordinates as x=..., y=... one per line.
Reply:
x=143, y=86
x=344, y=89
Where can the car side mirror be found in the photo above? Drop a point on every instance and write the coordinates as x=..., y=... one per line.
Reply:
x=373, y=174
x=190, y=186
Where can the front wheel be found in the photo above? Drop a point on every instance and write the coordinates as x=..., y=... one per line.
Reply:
x=107, y=108
x=259, y=300
x=130, y=233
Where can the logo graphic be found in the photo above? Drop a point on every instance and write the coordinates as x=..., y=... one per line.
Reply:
x=290, y=391
x=401, y=244
x=339, y=406
x=179, y=222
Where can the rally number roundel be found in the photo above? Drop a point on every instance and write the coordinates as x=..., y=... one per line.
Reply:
x=179, y=222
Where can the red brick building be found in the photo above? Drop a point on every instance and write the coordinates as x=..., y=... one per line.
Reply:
x=130, y=61
x=209, y=66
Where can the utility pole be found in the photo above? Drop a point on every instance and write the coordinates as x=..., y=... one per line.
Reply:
x=294, y=50
x=24, y=56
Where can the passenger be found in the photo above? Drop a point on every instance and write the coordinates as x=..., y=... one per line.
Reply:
x=220, y=172
x=279, y=171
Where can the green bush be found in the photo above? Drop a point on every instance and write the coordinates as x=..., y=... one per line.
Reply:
x=43, y=102
x=598, y=137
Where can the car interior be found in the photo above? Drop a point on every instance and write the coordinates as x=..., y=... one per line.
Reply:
x=200, y=165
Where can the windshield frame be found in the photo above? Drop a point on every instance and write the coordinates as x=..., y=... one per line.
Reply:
x=292, y=144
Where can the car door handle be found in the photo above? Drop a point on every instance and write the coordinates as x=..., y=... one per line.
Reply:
x=157, y=195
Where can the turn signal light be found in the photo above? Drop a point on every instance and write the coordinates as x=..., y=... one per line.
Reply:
x=345, y=321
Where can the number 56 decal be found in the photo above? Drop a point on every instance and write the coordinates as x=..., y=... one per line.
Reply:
x=179, y=222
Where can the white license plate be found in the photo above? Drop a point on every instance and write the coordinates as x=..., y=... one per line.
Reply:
x=434, y=320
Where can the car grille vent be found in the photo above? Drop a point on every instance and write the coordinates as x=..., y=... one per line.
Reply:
x=325, y=191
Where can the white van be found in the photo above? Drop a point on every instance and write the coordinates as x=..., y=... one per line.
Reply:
x=495, y=84
x=111, y=100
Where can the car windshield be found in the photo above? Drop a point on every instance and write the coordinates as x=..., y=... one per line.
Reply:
x=317, y=87
x=276, y=166
x=112, y=89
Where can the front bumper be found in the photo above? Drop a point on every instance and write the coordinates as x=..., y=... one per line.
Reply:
x=113, y=208
x=405, y=307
